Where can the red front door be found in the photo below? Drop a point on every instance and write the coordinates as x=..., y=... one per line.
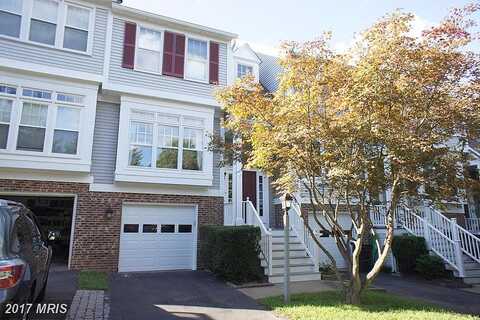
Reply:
x=249, y=187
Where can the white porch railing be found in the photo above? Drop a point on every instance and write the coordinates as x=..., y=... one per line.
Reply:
x=472, y=225
x=251, y=217
x=297, y=224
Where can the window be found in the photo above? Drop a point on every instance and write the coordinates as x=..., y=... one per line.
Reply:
x=184, y=228
x=243, y=70
x=167, y=228
x=167, y=152
x=140, y=144
x=156, y=141
x=197, y=60
x=39, y=94
x=260, y=195
x=130, y=228
x=8, y=90
x=149, y=228
x=70, y=98
x=65, y=135
x=149, y=50
x=192, y=149
x=76, y=28
x=5, y=113
x=33, y=123
x=10, y=17
x=43, y=24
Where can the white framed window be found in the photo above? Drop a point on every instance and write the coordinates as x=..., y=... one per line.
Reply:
x=33, y=125
x=54, y=23
x=196, y=62
x=11, y=17
x=164, y=141
x=38, y=123
x=67, y=130
x=243, y=70
x=43, y=22
x=77, y=25
x=149, y=50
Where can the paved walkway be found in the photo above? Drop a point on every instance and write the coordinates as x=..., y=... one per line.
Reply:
x=89, y=305
x=180, y=295
x=452, y=298
x=295, y=287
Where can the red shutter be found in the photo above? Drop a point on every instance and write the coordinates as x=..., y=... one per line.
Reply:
x=214, y=61
x=173, y=54
x=129, y=45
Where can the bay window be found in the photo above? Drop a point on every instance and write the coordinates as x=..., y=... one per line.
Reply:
x=40, y=121
x=197, y=60
x=149, y=50
x=76, y=28
x=43, y=23
x=10, y=17
x=165, y=141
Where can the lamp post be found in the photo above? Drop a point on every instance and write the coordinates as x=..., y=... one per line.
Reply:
x=286, y=205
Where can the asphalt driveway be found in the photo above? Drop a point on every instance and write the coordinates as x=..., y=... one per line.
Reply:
x=179, y=295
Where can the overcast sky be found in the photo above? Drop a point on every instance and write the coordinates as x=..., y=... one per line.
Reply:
x=265, y=23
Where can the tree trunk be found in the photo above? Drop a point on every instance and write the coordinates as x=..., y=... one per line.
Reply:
x=352, y=292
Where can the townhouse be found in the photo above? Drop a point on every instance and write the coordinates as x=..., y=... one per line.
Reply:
x=106, y=115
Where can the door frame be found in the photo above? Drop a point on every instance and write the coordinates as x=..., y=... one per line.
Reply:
x=154, y=204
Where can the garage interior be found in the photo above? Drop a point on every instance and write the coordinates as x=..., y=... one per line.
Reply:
x=54, y=214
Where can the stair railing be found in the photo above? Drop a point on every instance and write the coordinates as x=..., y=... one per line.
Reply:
x=297, y=224
x=472, y=225
x=251, y=217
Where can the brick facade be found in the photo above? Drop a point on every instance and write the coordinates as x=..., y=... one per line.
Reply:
x=96, y=236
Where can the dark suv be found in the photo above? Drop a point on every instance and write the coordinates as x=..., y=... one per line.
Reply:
x=24, y=259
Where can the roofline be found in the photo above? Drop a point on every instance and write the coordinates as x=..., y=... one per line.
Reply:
x=174, y=23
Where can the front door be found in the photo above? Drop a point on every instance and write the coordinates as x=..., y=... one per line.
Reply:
x=249, y=187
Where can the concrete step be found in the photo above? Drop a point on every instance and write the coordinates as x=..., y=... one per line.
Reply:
x=300, y=276
x=292, y=261
x=293, y=269
x=471, y=280
x=293, y=253
x=472, y=273
x=292, y=245
x=472, y=266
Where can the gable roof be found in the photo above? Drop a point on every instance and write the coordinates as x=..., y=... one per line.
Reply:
x=245, y=52
x=270, y=70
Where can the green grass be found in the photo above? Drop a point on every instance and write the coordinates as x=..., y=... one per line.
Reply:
x=328, y=305
x=92, y=280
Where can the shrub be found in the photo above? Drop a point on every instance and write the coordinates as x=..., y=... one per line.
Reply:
x=406, y=250
x=232, y=253
x=430, y=267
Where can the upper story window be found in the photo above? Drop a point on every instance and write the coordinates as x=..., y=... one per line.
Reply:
x=149, y=48
x=43, y=23
x=44, y=124
x=243, y=70
x=76, y=28
x=197, y=60
x=49, y=22
x=165, y=141
x=10, y=17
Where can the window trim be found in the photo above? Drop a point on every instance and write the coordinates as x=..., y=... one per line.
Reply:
x=137, y=38
x=26, y=16
x=207, y=60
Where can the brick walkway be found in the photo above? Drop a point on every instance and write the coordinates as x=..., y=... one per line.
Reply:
x=89, y=305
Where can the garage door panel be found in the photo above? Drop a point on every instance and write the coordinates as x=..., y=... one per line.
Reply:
x=153, y=249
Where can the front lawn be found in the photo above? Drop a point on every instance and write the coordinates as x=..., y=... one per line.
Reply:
x=328, y=305
x=92, y=280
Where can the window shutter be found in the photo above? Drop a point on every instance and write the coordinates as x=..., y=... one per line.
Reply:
x=129, y=45
x=214, y=62
x=173, y=54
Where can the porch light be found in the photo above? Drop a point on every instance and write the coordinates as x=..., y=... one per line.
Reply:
x=286, y=201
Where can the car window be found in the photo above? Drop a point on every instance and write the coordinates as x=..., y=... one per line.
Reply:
x=37, y=229
x=22, y=236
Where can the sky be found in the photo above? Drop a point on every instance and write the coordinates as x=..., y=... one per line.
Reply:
x=264, y=24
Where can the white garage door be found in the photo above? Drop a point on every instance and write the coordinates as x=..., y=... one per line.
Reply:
x=157, y=238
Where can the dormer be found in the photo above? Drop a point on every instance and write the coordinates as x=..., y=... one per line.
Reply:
x=245, y=61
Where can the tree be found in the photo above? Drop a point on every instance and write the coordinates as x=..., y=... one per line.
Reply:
x=392, y=114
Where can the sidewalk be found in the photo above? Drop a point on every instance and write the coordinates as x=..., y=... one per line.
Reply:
x=295, y=287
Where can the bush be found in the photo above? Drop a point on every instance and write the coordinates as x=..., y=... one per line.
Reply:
x=232, y=253
x=430, y=267
x=406, y=250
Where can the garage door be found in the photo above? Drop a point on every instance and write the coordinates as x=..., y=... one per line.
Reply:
x=157, y=238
